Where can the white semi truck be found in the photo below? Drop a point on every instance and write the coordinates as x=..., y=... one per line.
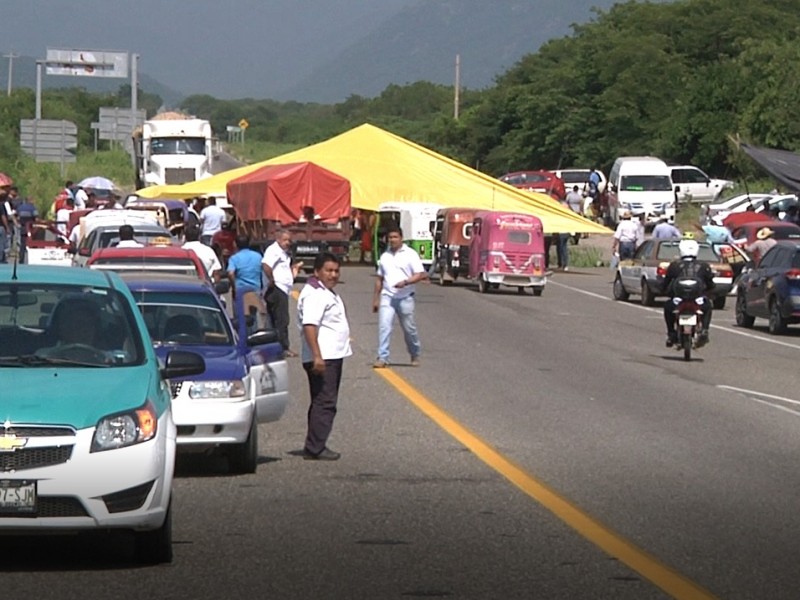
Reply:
x=172, y=148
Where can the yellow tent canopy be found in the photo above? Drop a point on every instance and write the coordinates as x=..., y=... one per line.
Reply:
x=384, y=167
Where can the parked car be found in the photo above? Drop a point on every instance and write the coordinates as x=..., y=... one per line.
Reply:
x=643, y=275
x=772, y=289
x=246, y=378
x=153, y=259
x=641, y=185
x=107, y=236
x=579, y=177
x=717, y=211
x=745, y=233
x=696, y=186
x=545, y=182
x=88, y=438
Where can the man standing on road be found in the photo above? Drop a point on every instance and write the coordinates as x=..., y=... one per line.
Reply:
x=244, y=268
x=280, y=272
x=665, y=230
x=399, y=269
x=574, y=200
x=325, y=333
x=212, y=217
x=626, y=237
x=204, y=253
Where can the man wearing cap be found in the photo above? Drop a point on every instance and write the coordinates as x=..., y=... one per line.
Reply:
x=764, y=241
x=665, y=230
x=627, y=236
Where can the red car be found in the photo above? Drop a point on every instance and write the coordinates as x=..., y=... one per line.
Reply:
x=157, y=259
x=545, y=182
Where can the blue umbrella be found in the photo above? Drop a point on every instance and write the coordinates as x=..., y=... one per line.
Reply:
x=97, y=183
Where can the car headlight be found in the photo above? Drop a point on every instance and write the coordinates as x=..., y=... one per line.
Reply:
x=217, y=389
x=125, y=429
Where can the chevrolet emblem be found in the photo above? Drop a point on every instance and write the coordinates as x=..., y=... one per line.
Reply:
x=9, y=443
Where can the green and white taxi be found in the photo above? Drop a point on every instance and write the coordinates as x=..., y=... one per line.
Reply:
x=87, y=438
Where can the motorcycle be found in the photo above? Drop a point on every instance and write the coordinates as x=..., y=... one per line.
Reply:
x=688, y=313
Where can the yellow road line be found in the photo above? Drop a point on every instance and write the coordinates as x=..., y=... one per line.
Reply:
x=648, y=566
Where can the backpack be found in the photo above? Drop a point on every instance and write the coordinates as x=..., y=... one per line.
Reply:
x=688, y=283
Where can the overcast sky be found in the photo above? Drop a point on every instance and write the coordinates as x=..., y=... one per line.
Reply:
x=225, y=48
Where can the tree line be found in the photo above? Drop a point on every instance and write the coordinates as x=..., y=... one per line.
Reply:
x=678, y=80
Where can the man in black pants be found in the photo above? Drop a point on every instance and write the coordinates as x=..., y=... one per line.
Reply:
x=326, y=343
x=277, y=266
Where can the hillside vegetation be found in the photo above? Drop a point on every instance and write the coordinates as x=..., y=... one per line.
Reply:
x=672, y=79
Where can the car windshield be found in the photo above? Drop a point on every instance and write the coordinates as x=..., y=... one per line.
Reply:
x=646, y=183
x=177, y=146
x=669, y=251
x=574, y=176
x=184, y=318
x=110, y=239
x=82, y=326
x=524, y=178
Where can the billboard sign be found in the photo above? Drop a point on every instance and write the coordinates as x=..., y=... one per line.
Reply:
x=86, y=63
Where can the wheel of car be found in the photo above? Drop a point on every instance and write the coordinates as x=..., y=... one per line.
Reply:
x=243, y=458
x=647, y=295
x=155, y=546
x=483, y=285
x=742, y=318
x=620, y=293
x=719, y=302
x=521, y=290
x=537, y=291
x=777, y=324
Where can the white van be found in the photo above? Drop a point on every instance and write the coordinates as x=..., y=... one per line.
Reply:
x=641, y=184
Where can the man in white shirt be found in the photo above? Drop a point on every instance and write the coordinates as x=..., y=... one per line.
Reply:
x=280, y=272
x=399, y=268
x=325, y=334
x=212, y=217
x=81, y=198
x=204, y=253
x=62, y=216
x=126, y=238
x=627, y=236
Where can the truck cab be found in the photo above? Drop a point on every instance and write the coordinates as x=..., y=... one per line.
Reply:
x=173, y=151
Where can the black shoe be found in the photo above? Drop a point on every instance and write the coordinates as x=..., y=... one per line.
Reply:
x=326, y=454
x=702, y=339
x=672, y=339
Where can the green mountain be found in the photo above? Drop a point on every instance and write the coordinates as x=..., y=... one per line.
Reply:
x=421, y=43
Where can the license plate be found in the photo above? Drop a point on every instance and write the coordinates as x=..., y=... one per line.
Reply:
x=53, y=255
x=687, y=320
x=456, y=263
x=17, y=497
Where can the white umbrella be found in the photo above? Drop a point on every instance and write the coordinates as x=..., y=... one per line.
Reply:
x=97, y=183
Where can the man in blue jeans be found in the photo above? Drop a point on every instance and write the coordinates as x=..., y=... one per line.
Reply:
x=399, y=268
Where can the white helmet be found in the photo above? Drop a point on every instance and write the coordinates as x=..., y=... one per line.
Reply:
x=688, y=248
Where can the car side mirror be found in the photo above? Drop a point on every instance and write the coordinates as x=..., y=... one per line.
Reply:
x=180, y=363
x=677, y=189
x=263, y=337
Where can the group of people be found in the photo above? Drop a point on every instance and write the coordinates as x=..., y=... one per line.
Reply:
x=323, y=324
x=17, y=213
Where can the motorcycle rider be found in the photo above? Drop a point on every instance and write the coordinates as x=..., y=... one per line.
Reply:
x=688, y=267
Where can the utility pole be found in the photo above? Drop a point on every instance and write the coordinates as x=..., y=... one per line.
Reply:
x=456, y=100
x=10, y=56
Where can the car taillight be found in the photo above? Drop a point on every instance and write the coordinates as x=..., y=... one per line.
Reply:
x=725, y=273
x=793, y=274
x=661, y=271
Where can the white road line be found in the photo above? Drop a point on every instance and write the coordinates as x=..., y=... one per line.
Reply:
x=756, y=393
x=660, y=311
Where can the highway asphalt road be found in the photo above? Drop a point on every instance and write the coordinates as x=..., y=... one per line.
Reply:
x=547, y=447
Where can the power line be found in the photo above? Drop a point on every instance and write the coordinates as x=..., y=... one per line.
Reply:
x=10, y=56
